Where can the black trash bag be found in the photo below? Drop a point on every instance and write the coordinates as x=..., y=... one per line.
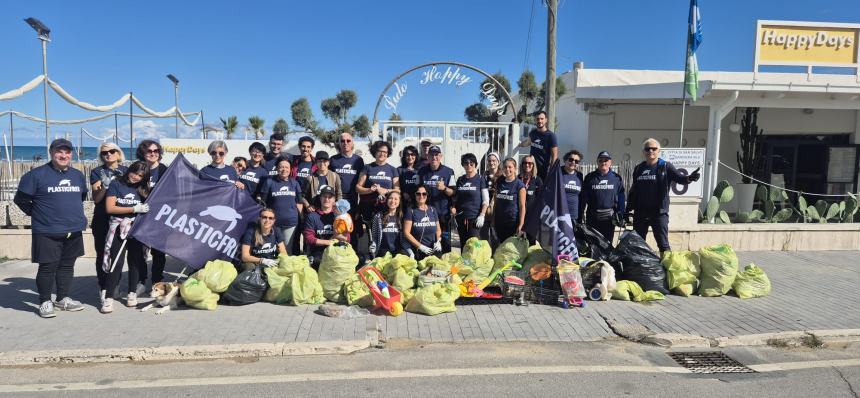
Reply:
x=249, y=287
x=634, y=260
x=591, y=243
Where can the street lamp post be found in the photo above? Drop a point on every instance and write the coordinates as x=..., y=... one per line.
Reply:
x=45, y=36
x=175, y=100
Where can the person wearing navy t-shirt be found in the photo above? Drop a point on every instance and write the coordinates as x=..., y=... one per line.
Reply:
x=408, y=172
x=528, y=175
x=151, y=152
x=100, y=178
x=386, y=227
x=603, y=197
x=376, y=180
x=125, y=200
x=262, y=243
x=283, y=194
x=572, y=179
x=509, y=208
x=649, y=193
x=52, y=195
x=543, y=145
x=319, y=227
x=471, y=200
x=218, y=169
x=304, y=165
x=276, y=145
x=421, y=228
x=440, y=183
x=348, y=166
x=255, y=173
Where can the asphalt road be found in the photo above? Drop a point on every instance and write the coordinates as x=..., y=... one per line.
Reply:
x=455, y=370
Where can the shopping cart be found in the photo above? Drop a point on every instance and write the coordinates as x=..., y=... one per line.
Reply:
x=517, y=285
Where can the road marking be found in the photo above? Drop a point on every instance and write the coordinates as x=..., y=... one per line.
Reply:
x=395, y=374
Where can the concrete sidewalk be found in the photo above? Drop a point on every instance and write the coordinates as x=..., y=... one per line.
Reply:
x=812, y=291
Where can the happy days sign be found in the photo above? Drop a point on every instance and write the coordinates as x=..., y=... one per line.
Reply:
x=450, y=76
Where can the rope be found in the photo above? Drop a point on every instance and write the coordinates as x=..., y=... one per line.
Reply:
x=782, y=188
x=100, y=117
x=17, y=92
x=105, y=138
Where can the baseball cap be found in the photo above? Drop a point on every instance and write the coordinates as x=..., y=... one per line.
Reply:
x=61, y=143
x=604, y=154
x=434, y=149
x=322, y=155
x=327, y=189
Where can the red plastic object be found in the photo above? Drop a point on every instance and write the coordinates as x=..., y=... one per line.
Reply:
x=380, y=302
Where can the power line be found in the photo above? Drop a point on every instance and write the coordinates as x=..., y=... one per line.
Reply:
x=529, y=38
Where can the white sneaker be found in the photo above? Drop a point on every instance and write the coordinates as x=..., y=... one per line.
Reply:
x=107, y=306
x=46, y=310
x=67, y=304
x=131, y=300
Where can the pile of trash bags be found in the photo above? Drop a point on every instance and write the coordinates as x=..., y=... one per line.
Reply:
x=201, y=289
x=712, y=272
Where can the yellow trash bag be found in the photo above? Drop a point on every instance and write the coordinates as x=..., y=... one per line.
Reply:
x=751, y=283
x=434, y=299
x=478, y=255
x=357, y=293
x=293, y=281
x=197, y=295
x=400, y=272
x=217, y=275
x=682, y=271
x=629, y=290
x=719, y=269
x=337, y=265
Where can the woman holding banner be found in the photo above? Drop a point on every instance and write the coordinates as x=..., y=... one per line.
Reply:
x=509, y=208
x=100, y=178
x=219, y=169
x=282, y=193
x=262, y=242
x=124, y=201
x=151, y=152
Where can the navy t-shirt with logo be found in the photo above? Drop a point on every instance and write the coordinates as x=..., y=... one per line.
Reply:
x=348, y=168
x=269, y=248
x=468, y=197
x=226, y=173
x=126, y=196
x=541, y=149
x=57, y=196
x=98, y=174
x=390, y=242
x=282, y=197
x=572, y=189
x=409, y=180
x=601, y=191
x=253, y=177
x=322, y=226
x=271, y=164
x=423, y=224
x=303, y=170
x=508, y=199
x=383, y=175
x=437, y=198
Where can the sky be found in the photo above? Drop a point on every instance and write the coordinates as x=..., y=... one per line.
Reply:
x=257, y=57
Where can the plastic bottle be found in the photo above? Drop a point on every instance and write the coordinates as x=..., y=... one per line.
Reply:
x=383, y=289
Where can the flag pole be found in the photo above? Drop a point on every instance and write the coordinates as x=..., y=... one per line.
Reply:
x=684, y=86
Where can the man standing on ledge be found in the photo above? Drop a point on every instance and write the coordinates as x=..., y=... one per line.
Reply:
x=649, y=194
x=53, y=195
x=544, y=145
x=349, y=165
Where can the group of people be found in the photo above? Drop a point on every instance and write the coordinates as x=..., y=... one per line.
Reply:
x=411, y=209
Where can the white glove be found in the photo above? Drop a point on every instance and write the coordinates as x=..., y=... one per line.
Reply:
x=479, y=222
x=410, y=253
x=437, y=247
x=141, y=208
x=372, y=248
x=426, y=250
x=269, y=262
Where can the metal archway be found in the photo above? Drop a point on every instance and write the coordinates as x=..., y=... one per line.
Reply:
x=511, y=101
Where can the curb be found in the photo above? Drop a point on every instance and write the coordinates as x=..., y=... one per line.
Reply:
x=807, y=338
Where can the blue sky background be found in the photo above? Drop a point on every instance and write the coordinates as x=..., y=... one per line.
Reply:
x=257, y=57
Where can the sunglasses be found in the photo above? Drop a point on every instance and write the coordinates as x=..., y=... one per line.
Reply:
x=153, y=151
x=420, y=193
x=529, y=163
x=345, y=141
x=650, y=149
x=573, y=160
x=267, y=218
x=217, y=153
x=108, y=152
x=411, y=154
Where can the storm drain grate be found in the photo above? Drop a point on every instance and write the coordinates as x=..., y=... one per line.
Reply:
x=709, y=362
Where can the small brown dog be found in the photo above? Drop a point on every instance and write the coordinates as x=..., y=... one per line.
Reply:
x=166, y=295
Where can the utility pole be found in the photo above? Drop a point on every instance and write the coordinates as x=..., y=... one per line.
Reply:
x=552, y=7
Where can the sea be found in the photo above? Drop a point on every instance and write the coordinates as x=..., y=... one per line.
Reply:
x=32, y=152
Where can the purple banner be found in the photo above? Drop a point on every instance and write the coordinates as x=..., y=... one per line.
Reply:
x=550, y=205
x=193, y=218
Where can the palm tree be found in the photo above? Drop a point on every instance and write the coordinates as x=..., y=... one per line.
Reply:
x=230, y=125
x=257, y=123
